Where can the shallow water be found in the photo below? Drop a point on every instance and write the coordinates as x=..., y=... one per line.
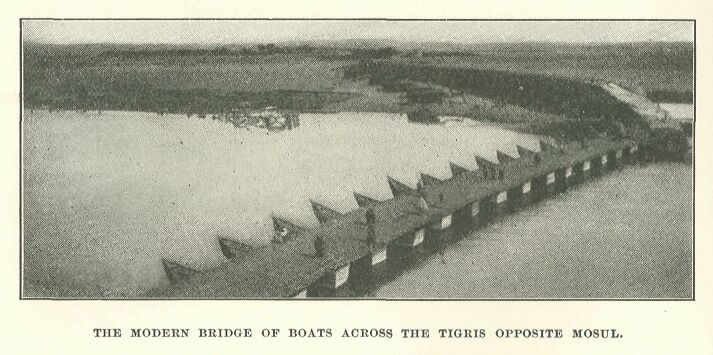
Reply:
x=107, y=196
x=682, y=112
x=627, y=235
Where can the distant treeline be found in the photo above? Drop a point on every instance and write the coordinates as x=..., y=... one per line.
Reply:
x=682, y=97
x=259, y=49
x=137, y=97
x=585, y=108
x=448, y=54
x=374, y=53
x=256, y=50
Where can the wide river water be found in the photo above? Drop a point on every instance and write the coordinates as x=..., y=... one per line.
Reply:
x=106, y=197
x=627, y=235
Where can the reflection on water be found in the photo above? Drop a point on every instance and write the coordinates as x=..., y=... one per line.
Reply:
x=106, y=197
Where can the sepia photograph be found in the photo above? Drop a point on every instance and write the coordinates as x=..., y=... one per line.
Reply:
x=221, y=159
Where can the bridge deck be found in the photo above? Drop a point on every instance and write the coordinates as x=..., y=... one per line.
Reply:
x=283, y=270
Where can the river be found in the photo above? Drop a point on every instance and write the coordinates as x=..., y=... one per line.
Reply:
x=106, y=197
x=678, y=111
x=627, y=235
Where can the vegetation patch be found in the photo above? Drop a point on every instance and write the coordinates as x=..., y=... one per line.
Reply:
x=679, y=97
x=581, y=106
x=666, y=144
x=423, y=115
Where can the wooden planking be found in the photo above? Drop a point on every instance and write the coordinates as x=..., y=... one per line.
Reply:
x=233, y=249
x=399, y=188
x=429, y=180
x=457, y=170
x=177, y=273
x=323, y=213
x=292, y=230
x=365, y=201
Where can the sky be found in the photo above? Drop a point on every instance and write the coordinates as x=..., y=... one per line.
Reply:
x=242, y=31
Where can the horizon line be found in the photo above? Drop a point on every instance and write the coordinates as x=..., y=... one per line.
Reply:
x=359, y=40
